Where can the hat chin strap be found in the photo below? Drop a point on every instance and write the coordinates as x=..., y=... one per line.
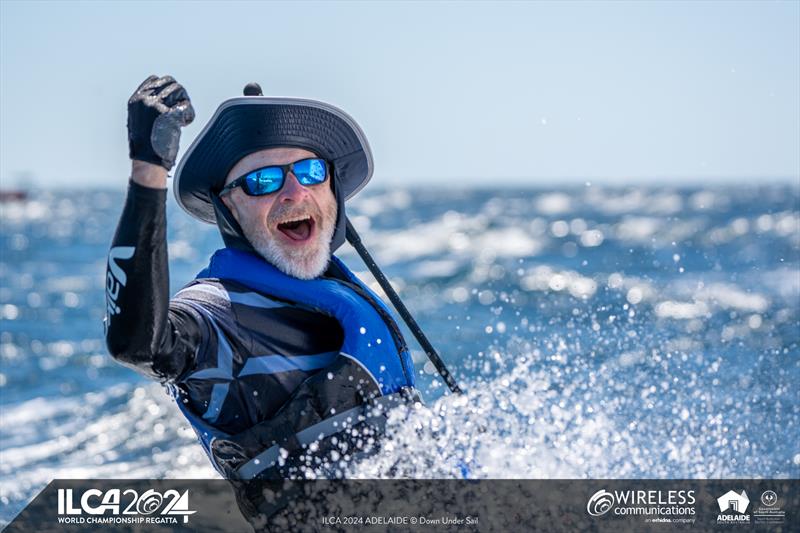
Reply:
x=340, y=231
x=233, y=236
x=229, y=228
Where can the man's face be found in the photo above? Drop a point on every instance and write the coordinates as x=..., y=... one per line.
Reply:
x=291, y=228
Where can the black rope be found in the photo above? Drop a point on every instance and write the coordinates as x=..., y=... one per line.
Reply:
x=355, y=241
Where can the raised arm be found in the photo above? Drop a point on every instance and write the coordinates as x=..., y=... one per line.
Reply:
x=141, y=330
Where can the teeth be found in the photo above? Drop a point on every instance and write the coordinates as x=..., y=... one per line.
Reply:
x=289, y=221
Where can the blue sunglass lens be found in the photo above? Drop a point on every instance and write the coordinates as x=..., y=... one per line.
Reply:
x=264, y=181
x=270, y=179
x=310, y=171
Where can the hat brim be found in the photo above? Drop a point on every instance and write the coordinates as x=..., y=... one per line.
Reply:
x=247, y=124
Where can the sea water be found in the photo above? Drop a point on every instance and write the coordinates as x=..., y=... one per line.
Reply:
x=606, y=332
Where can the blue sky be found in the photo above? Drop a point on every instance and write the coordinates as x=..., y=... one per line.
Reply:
x=537, y=92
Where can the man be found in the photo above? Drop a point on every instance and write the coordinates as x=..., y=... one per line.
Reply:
x=280, y=358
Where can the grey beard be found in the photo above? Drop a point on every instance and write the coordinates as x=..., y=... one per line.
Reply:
x=306, y=263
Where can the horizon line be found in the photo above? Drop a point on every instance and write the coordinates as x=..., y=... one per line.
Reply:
x=744, y=182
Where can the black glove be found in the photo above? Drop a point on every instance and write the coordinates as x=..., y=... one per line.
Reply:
x=156, y=112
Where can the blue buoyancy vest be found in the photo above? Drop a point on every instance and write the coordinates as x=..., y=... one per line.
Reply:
x=371, y=338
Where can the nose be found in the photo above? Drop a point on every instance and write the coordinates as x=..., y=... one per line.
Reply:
x=292, y=191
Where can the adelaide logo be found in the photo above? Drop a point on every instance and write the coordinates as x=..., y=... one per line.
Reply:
x=733, y=508
x=600, y=503
x=734, y=502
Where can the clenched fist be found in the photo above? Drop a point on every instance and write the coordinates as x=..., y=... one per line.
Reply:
x=157, y=111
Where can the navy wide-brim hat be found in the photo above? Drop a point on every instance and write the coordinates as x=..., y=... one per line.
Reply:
x=247, y=124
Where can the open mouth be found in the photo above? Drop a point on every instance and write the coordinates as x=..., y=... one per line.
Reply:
x=299, y=229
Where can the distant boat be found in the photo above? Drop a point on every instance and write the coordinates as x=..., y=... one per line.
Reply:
x=12, y=195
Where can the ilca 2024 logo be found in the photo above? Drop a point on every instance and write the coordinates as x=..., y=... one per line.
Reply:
x=115, y=506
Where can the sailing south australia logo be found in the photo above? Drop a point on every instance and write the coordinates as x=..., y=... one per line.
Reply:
x=732, y=508
x=653, y=503
x=115, y=506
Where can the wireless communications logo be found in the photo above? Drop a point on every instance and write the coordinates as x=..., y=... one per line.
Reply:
x=600, y=503
x=115, y=506
x=669, y=506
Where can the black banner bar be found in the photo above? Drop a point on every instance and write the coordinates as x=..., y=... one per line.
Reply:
x=414, y=505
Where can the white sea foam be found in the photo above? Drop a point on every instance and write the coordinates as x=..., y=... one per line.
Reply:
x=107, y=434
x=638, y=229
x=682, y=310
x=553, y=203
x=451, y=237
x=523, y=424
x=544, y=278
x=730, y=296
